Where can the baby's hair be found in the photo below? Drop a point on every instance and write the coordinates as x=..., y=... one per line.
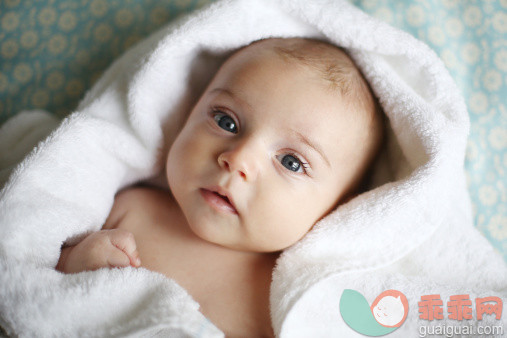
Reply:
x=330, y=61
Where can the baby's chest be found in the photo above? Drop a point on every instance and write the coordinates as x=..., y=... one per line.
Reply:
x=234, y=296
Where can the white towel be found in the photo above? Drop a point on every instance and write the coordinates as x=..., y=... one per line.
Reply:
x=412, y=233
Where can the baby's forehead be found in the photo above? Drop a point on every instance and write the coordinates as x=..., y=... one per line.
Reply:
x=327, y=62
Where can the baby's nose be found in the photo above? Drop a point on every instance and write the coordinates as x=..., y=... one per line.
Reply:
x=241, y=160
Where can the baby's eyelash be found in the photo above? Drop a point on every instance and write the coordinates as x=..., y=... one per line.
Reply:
x=289, y=164
x=305, y=165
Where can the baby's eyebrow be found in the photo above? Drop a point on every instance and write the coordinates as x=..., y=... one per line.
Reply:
x=223, y=90
x=231, y=94
x=315, y=146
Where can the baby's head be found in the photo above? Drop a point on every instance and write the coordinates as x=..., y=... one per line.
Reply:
x=284, y=133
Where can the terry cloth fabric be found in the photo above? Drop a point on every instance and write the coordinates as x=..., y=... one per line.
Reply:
x=412, y=232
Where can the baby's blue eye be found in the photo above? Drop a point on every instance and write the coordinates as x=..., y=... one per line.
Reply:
x=226, y=122
x=292, y=163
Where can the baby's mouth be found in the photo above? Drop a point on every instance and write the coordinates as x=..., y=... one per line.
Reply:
x=218, y=201
x=225, y=198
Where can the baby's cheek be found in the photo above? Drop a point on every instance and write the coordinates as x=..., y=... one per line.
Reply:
x=293, y=219
x=181, y=151
x=176, y=162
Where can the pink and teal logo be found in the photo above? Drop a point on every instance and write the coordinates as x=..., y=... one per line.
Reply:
x=387, y=312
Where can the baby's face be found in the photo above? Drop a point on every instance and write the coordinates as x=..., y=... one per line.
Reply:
x=266, y=152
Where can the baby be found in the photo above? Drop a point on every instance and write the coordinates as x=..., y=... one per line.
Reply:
x=284, y=133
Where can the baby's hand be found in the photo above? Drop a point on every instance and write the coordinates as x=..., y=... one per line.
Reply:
x=103, y=249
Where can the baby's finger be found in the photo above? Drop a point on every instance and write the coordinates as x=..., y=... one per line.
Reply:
x=135, y=261
x=117, y=258
x=125, y=241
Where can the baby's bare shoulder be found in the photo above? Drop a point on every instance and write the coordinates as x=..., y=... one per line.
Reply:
x=135, y=199
x=142, y=194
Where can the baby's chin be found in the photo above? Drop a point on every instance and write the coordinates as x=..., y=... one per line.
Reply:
x=210, y=235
